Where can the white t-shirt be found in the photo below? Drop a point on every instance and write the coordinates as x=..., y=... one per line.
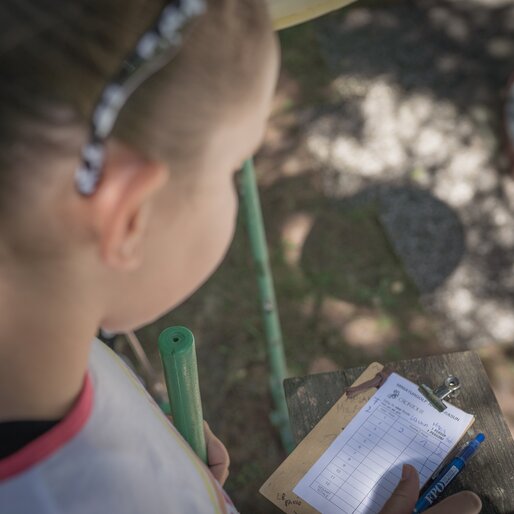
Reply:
x=114, y=453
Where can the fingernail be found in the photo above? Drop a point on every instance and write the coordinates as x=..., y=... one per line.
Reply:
x=406, y=472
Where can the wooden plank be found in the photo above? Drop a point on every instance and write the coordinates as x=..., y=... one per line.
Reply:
x=310, y=398
x=490, y=473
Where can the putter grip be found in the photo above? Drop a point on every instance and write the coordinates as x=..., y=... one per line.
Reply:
x=178, y=355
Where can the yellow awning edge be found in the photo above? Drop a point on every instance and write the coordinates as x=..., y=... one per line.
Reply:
x=286, y=13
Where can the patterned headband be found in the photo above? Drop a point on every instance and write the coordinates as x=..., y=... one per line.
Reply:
x=153, y=51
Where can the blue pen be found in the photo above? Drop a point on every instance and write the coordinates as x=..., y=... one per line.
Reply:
x=448, y=473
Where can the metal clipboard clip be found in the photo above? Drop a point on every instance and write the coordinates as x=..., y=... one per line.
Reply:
x=449, y=389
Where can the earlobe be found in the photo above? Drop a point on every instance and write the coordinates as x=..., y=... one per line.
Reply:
x=123, y=204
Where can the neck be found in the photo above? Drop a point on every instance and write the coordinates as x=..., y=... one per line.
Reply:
x=45, y=341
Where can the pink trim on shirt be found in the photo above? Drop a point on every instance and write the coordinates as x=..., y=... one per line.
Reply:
x=43, y=446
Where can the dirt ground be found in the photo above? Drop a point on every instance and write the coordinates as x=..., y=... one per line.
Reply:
x=346, y=293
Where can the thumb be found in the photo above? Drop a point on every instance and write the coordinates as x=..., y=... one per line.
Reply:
x=464, y=502
x=405, y=495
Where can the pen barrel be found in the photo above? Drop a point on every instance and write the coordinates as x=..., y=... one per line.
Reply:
x=178, y=355
x=446, y=476
x=431, y=495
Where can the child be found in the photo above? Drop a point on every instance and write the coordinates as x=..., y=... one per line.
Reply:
x=121, y=126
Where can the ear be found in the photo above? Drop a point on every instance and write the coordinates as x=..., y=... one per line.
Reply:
x=122, y=203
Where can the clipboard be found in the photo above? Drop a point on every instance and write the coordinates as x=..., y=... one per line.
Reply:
x=279, y=487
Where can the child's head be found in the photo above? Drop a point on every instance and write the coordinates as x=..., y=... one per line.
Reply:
x=163, y=214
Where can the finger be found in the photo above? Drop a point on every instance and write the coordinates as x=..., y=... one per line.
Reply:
x=405, y=495
x=218, y=459
x=220, y=472
x=217, y=456
x=465, y=502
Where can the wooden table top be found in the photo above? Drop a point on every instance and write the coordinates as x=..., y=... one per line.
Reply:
x=490, y=473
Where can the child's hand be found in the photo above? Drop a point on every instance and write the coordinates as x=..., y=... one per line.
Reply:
x=217, y=455
x=406, y=494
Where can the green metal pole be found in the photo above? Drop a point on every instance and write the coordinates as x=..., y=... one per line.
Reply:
x=178, y=355
x=252, y=206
